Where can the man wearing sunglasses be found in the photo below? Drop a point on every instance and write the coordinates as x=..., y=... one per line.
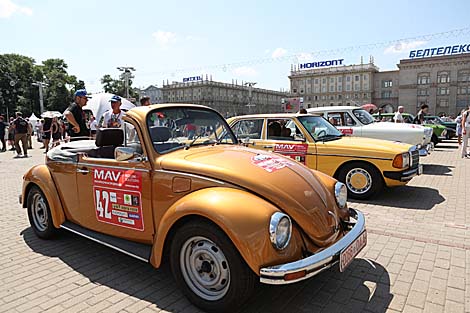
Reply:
x=76, y=117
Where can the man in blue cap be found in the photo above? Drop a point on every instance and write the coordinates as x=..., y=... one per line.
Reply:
x=76, y=117
x=113, y=118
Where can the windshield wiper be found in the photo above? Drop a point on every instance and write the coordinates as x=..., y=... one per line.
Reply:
x=187, y=146
x=329, y=137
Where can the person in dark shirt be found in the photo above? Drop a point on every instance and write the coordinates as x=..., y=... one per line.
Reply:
x=76, y=117
x=46, y=133
x=3, y=125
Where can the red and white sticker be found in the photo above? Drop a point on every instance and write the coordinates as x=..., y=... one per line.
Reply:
x=346, y=131
x=294, y=151
x=270, y=163
x=117, y=195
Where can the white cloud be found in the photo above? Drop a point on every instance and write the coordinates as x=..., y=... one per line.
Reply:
x=244, y=71
x=8, y=8
x=279, y=52
x=401, y=47
x=304, y=57
x=164, y=38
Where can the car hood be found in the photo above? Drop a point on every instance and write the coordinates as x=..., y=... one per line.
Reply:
x=290, y=186
x=409, y=133
x=366, y=147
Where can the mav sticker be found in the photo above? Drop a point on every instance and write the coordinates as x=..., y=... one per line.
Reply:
x=117, y=195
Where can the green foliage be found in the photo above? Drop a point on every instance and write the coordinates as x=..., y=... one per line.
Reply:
x=17, y=93
x=117, y=86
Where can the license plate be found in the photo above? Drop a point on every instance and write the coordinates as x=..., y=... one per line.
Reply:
x=348, y=254
x=420, y=169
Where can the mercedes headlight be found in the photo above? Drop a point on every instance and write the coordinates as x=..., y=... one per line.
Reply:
x=341, y=195
x=280, y=230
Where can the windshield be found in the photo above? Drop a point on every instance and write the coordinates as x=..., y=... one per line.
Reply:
x=319, y=128
x=363, y=116
x=175, y=128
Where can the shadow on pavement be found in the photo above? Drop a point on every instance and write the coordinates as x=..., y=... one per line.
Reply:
x=407, y=197
x=364, y=285
x=444, y=146
x=437, y=169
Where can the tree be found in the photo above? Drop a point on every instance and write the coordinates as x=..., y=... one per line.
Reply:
x=117, y=87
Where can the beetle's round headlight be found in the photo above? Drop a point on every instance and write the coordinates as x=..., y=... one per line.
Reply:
x=341, y=195
x=280, y=230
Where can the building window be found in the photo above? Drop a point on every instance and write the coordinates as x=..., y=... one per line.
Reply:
x=356, y=96
x=315, y=97
x=323, y=97
x=348, y=78
x=443, y=77
x=356, y=87
x=339, y=97
x=332, y=88
x=463, y=76
x=332, y=80
x=365, y=76
x=424, y=79
x=387, y=83
x=366, y=86
x=301, y=91
x=442, y=91
x=443, y=102
x=317, y=89
x=356, y=78
x=332, y=97
x=463, y=90
x=423, y=92
x=294, y=90
x=340, y=88
x=340, y=79
x=386, y=94
x=365, y=96
x=316, y=80
x=348, y=87
x=323, y=88
x=323, y=81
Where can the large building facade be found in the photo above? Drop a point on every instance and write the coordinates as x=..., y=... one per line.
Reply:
x=228, y=98
x=341, y=85
x=442, y=82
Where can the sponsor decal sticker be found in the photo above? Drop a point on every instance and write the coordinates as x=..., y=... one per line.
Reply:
x=270, y=163
x=294, y=151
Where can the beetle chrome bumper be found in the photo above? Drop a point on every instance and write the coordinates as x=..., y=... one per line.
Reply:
x=313, y=265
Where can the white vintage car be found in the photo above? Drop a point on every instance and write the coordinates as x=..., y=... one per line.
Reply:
x=355, y=121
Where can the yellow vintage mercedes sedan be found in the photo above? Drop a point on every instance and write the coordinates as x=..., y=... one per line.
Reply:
x=174, y=185
x=365, y=165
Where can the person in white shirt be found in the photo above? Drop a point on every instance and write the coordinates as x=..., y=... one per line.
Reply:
x=398, y=118
x=93, y=125
x=465, y=132
x=113, y=118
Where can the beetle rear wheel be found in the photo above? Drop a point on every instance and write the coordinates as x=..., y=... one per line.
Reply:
x=209, y=268
x=39, y=214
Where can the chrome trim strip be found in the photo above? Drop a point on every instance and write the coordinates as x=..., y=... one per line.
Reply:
x=111, y=166
x=190, y=175
x=354, y=156
x=104, y=243
x=316, y=263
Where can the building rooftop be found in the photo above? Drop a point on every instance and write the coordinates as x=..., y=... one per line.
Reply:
x=335, y=70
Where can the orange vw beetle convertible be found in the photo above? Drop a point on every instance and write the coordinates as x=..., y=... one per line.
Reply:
x=173, y=184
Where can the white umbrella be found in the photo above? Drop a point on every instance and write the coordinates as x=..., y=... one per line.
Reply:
x=51, y=114
x=99, y=103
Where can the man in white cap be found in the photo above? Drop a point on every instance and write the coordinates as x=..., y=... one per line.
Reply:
x=398, y=117
x=113, y=118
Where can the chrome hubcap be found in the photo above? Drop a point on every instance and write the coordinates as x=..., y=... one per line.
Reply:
x=39, y=212
x=358, y=181
x=205, y=268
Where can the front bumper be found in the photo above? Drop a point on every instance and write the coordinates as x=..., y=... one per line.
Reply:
x=426, y=150
x=405, y=175
x=313, y=265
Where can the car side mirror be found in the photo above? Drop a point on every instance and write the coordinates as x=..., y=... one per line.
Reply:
x=124, y=153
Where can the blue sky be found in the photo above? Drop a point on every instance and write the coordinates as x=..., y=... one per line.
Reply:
x=226, y=39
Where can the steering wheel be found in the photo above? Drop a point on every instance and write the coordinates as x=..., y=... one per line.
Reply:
x=321, y=133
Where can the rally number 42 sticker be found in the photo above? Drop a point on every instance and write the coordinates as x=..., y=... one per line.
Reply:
x=117, y=197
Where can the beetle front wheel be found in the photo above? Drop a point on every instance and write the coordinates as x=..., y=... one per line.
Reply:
x=209, y=268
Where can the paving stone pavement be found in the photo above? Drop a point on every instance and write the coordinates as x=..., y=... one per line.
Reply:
x=417, y=258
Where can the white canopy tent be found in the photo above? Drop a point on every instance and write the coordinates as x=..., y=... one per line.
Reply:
x=34, y=120
x=99, y=103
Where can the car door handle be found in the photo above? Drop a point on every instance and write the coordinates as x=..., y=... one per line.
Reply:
x=83, y=170
x=268, y=147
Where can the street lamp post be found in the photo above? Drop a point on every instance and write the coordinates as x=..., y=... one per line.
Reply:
x=41, y=85
x=250, y=89
x=127, y=76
